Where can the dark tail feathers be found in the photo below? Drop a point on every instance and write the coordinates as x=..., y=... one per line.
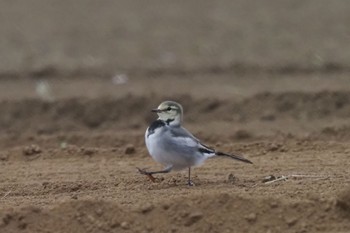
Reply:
x=218, y=153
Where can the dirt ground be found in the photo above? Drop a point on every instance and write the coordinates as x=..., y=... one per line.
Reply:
x=268, y=80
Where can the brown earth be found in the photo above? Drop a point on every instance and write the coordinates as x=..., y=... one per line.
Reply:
x=267, y=80
x=69, y=165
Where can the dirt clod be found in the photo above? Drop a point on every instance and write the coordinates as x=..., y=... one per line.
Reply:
x=88, y=151
x=147, y=208
x=130, y=149
x=242, y=135
x=193, y=218
x=31, y=150
x=251, y=217
x=4, y=156
x=125, y=225
x=343, y=200
x=231, y=178
x=291, y=221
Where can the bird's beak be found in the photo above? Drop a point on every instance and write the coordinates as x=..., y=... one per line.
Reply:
x=156, y=110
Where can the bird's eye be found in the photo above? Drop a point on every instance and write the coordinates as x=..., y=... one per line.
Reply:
x=168, y=109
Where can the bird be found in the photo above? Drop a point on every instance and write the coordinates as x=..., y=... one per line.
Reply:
x=175, y=147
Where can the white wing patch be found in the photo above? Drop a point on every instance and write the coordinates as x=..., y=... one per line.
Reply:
x=206, y=151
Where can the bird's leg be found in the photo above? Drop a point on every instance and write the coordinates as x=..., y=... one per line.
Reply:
x=189, y=181
x=150, y=173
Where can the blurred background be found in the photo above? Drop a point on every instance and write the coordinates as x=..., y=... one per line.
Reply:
x=95, y=38
x=279, y=56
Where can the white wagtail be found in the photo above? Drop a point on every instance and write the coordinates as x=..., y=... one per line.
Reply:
x=173, y=146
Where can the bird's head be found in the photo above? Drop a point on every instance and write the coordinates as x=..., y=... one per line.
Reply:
x=170, y=112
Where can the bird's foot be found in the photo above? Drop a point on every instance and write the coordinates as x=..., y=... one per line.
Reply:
x=146, y=173
x=190, y=183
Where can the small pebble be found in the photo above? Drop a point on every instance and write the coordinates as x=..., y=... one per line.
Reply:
x=251, y=217
x=124, y=225
x=274, y=204
x=147, y=208
x=291, y=221
x=99, y=212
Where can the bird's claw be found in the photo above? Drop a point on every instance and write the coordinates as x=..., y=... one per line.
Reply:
x=144, y=172
x=190, y=183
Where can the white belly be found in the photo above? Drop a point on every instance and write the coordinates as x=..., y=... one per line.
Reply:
x=167, y=157
x=157, y=152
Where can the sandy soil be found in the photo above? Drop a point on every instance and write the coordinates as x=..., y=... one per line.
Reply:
x=70, y=145
x=74, y=161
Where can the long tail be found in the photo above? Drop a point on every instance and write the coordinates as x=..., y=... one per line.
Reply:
x=218, y=153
